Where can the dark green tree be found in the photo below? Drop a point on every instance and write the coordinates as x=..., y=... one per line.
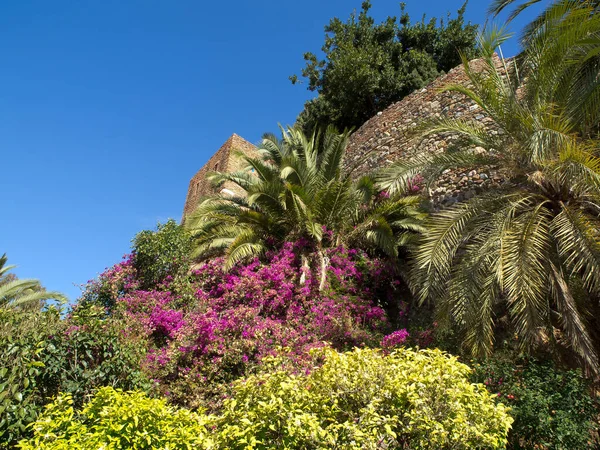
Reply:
x=369, y=66
x=161, y=253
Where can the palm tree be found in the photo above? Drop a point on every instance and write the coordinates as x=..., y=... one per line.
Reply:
x=297, y=192
x=498, y=6
x=563, y=43
x=528, y=252
x=21, y=294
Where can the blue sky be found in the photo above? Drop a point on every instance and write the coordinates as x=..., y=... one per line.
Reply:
x=107, y=109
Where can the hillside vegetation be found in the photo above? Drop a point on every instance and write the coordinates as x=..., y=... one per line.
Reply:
x=323, y=310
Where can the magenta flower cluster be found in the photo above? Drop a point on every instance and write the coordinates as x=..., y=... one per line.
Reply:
x=396, y=339
x=211, y=327
x=231, y=320
x=112, y=284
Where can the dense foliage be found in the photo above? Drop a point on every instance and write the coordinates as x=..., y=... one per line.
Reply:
x=369, y=66
x=366, y=400
x=117, y=420
x=282, y=318
x=160, y=254
x=299, y=191
x=358, y=400
x=42, y=355
x=551, y=407
x=220, y=325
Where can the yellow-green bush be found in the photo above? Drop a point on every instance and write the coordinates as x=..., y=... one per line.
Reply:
x=366, y=400
x=363, y=399
x=117, y=420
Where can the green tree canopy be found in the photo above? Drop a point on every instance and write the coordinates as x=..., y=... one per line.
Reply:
x=368, y=66
x=161, y=253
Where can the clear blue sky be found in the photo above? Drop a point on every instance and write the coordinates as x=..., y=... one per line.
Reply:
x=107, y=109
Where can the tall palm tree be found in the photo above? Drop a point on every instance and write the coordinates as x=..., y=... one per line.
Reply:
x=22, y=293
x=530, y=250
x=298, y=191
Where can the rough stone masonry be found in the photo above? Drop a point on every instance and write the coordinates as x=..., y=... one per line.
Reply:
x=389, y=136
x=224, y=160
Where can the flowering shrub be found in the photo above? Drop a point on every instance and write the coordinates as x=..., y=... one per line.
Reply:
x=396, y=339
x=111, y=284
x=237, y=318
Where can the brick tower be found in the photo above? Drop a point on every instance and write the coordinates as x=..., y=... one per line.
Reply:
x=224, y=160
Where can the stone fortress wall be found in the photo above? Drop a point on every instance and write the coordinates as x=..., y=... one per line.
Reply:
x=389, y=136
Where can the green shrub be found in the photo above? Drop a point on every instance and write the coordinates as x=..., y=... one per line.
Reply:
x=117, y=420
x=42, y=355
x=23, y=345
x=365, y=399
x=552, y=408
x=160, y=254
x=92, y=352
x=19, y=406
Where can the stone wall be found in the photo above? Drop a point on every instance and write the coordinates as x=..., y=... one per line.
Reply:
x=389, y=136
x=224, y=160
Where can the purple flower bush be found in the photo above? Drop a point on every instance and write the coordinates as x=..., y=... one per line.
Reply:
x=396, y=339
x=206, y=330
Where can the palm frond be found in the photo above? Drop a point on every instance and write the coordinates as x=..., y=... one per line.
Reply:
x=571, y=319
x=578, y=242
x=525, y=272
x=397, y=178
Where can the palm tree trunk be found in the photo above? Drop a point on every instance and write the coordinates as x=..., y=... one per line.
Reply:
x=305, y=268
x=324, y=260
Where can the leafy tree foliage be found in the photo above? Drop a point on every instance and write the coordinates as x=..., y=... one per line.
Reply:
x=42, y=355
x=161, y=253
x=23, y=341
x=299, y=192
x=158, y=257
x=369, y=66
x=528, y=254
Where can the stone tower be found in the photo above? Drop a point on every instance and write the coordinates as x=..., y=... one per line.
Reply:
x=224, y=160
